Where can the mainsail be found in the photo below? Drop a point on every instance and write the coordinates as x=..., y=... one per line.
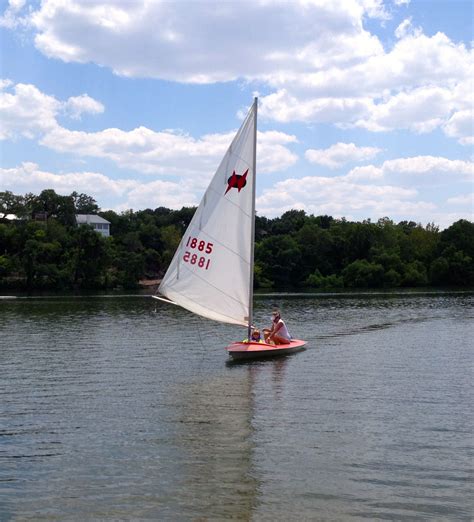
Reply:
x=211, y=273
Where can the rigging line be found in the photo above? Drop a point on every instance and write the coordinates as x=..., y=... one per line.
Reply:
x=200, y=338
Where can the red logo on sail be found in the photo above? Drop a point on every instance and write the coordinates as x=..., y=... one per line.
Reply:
x=237, y=181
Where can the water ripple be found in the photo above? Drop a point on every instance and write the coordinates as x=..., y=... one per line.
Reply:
x=117, y=408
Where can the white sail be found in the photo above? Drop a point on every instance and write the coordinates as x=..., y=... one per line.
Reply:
x=211, y=271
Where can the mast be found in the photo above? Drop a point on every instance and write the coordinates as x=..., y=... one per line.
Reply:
x=252, y=236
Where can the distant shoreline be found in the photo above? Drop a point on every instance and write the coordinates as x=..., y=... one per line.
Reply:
x=147, y=283
x=148, y=290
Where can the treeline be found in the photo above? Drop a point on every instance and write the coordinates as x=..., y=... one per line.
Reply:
x=43, y=248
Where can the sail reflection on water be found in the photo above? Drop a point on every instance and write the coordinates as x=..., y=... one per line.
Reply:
x=215, y=444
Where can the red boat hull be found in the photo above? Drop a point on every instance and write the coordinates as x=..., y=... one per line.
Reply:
x=240, y=350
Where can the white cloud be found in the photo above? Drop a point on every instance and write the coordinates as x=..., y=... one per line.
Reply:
x=193, y=44
x=414, y=61
x=16, y=5
x=464, y=199
x=339, y=197
x=397, y=188
x=273, y=155
x=4, y=83
x=75, y=106
x=29, y=178
x=368, y=172
x=406, y=28
x=425, y=166
x=376, y=9
x=417, y=85
x=168, y=152
x=284, y=107
x=321, y=65
x=27, y=112
x=461, y=126
x=11, y=17
x=421, y=110
x=343, y=196
x=120, y=194
x=416, y=170
x=161, y=194
x=340, y=154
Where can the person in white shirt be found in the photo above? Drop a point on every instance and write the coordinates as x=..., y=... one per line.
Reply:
x=278, y=333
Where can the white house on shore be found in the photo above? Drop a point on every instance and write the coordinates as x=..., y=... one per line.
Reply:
x=100, y=225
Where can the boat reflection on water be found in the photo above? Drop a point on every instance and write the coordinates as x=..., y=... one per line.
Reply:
x=215, y=440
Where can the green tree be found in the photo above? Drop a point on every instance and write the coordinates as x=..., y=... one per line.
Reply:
x=260, y=281
x=360, y=240
x=150, y=236
x=461, y=267
x=419, y=244
x=415, y=274
x=181, y=218
x=54, y=205
x=5, y=266
x=317, y=280
x=317, y=250
x=290, y=222
x=84, y=204
x=392, y=278
x=87, y=258
x=324, y=221
x=460, y=235
x=131, y=242
x=131, y=268
x=170, y=238
x=362, y=274
x=152, y=263
x=10, y=204
x=41, y=261
x=439, y=271
x=279, y=258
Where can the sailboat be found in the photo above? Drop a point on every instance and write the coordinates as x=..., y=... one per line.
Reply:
x=211, y=273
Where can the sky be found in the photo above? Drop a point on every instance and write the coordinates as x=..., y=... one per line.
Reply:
x=365, y=106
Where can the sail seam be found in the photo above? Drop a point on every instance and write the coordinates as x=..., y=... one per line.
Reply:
x=225, y=246
x=207, y=308
x=215, y=287
x=211, y=189
x=242, y=160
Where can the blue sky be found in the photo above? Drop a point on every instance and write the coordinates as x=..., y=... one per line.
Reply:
x=365, y=106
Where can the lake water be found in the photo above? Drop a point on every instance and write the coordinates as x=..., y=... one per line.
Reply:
x=121, y=408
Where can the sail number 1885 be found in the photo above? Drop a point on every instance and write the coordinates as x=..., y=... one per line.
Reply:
x=198, y=259
x=202, y=246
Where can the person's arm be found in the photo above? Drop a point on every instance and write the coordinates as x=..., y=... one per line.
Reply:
x=277, y=327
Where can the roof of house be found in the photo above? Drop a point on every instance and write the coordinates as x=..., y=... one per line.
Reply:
x=83, y=219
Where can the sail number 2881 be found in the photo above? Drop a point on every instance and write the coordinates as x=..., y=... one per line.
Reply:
x=198, y=259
